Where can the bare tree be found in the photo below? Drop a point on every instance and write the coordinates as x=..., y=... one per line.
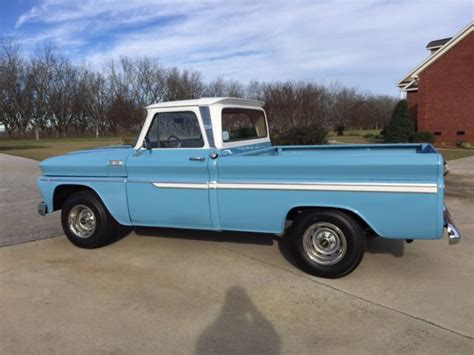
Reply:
x=183, y=85
x=295, y=104
x=255, y=90
x=48, y=93
x=216, y=88
x=93, y=98
x=125, y=115
x=16, y=80
x=42, y=66
x=63, y=88
x=149, y=85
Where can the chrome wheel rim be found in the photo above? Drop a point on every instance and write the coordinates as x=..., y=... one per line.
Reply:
x=324, y=243
x=82, y=221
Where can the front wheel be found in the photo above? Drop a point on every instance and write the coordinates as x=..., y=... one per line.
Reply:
x=327, y=243
x=86, y=222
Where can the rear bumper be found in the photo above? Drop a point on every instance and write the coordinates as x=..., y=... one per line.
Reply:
x=42, y=208
x=453, y=233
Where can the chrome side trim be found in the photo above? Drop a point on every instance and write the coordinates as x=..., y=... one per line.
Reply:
x=453, y=234
x=140, y=181
x=82, y=179
x=424, y=188
x=174, y=185
x=314, y=186
x=321, y=186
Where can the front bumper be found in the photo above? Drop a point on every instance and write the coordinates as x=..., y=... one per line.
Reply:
x=42, y=208
x=453, y=233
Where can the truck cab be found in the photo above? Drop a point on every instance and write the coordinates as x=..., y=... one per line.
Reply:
x=178, y=149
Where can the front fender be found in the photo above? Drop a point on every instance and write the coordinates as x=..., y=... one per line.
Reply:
x=112, y=192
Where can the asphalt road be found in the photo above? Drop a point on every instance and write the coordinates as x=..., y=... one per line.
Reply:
x=171, y=291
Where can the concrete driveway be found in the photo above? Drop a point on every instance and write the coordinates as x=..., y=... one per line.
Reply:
x=19, y=221
x=171, y=291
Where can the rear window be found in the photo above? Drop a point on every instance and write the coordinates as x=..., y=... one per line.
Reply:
x=240, y=124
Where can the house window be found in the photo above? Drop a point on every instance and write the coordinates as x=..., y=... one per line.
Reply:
x=460, y=133
x=437, y=133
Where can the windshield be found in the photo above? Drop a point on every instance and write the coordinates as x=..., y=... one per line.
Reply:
x=242, y=124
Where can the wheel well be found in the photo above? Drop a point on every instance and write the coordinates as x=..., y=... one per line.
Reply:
x=62, y=193
x=294, y=212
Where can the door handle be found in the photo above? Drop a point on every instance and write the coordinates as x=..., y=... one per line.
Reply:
x=197, y=158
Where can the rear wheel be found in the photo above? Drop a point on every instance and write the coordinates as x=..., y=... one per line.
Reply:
x=327, y=243
x=86, y=222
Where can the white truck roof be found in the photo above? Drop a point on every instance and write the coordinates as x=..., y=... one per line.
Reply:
x=207, y=101
x=215, y=104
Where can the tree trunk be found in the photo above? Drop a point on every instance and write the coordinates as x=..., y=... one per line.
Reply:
x=37, y=133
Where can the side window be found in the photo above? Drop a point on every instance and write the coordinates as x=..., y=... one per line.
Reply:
x=242, y=124
x=175, y=130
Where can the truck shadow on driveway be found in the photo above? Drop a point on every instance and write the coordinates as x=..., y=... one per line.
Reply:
x=395, y=247
x=240, y=328
x=211, y=236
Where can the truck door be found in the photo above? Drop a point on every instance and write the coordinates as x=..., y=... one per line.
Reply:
x=167, y=185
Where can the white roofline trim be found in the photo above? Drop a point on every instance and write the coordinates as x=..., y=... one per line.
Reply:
x=206, y=101
x=406, y=87
x=436, y=47
x=446, y=47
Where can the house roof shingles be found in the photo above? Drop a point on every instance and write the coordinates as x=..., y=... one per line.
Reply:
x=438, y=42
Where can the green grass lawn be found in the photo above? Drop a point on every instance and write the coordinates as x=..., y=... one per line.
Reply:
x=357, y=132
x=452, y=154
x=355, y=137
x=347, y=139
x=45, y=148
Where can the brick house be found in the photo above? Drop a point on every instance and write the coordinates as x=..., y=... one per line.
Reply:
x=440, y=91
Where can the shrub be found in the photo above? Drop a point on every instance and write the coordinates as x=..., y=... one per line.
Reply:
x=340, y=130
x=400, y=129
x=314, y=134
x=369, y=135
x=465, y=145
x=423, y=137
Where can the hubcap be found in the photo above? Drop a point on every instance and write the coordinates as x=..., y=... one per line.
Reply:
x=81, y=221
x=324, y=243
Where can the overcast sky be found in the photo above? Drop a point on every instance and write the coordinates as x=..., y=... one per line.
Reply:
x=366, y=44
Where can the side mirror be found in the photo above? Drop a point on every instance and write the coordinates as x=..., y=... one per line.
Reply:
x=146, y=143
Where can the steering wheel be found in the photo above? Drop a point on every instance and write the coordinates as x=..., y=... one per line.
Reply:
x=173, y=142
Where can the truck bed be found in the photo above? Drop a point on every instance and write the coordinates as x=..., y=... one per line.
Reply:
x=355, y=149
x=389, y=186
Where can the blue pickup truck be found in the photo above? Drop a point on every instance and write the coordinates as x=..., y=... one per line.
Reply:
x=209, y=164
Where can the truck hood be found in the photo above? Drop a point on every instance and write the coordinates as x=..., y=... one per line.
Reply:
x=92, y=162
